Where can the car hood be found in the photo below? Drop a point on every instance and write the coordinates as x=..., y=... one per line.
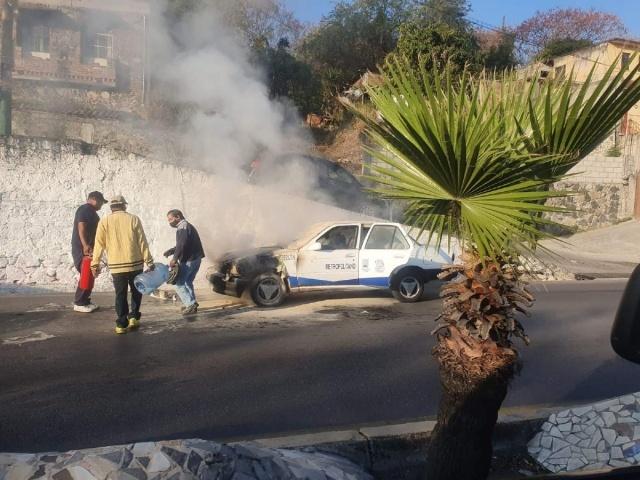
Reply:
x=247, y=253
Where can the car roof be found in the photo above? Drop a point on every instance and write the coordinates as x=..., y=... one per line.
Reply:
x=316, y=228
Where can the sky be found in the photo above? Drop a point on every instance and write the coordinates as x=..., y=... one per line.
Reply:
x=493, y=11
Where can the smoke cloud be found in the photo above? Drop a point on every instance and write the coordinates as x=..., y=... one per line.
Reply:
x=230, y=120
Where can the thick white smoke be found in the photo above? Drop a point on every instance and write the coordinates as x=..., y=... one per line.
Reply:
x=230, y=119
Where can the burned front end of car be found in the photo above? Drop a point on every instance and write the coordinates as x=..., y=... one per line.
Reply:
x=232, y=273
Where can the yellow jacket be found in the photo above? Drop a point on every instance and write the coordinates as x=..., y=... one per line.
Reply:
x=122, y=237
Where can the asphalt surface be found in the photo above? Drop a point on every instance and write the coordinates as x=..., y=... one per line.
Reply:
x=326, y=361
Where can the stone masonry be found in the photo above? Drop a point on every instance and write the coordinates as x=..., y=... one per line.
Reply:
x=43, y=182
x=592, y=437
x=75, y=69
x=187, y=459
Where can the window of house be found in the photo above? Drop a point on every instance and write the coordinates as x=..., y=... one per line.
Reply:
x=386, y=237
x=38, y=38
x=560, y=71
x=625, y=59
x=103, y=46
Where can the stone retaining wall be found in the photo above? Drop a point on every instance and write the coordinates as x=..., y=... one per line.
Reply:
x=43, y=182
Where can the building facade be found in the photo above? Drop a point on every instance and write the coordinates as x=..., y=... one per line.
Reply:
x=74, y=69
x=599, y=58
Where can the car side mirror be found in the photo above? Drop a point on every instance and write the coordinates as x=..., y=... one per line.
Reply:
x=625, y=334
x=315, y=246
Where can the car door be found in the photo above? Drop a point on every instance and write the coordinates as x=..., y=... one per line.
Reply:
x=331, y=259
x=384, y=248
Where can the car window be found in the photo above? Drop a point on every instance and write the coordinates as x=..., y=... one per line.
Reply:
x=340, y=175
x=365, y=230
x=386, y=237
x=340, y=238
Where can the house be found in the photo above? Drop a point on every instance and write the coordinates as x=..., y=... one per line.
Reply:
x=599, y=58
x=73, y=69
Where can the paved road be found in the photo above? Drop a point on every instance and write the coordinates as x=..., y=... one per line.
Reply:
x=66, y=381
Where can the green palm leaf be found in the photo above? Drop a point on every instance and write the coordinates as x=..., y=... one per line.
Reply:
x=475, y=157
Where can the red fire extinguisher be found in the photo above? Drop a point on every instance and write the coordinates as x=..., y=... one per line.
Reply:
x=86, y=275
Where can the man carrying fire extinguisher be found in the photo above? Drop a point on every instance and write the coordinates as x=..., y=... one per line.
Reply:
x=83, y=238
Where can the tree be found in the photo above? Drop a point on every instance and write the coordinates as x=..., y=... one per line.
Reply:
x=475, y=158
x=497, y=49
x=288, y=77
x=353, y=38
x=450, y=12
x=257, y=23
x=543, y=28
x=562, y=46
x=436, y=44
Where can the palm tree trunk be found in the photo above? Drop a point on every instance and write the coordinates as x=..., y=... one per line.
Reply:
x=475, y=377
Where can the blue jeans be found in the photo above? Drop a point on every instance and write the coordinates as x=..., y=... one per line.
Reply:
x=184, y=284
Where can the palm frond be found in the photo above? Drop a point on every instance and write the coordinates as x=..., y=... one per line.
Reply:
x=475, y=157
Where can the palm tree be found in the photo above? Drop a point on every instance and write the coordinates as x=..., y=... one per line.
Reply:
x=475, y=159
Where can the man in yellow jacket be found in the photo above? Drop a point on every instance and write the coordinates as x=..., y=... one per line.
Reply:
x=121, y=236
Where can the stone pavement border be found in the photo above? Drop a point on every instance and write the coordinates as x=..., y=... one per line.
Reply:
x=386, y=451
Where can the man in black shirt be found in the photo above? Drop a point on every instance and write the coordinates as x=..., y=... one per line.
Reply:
x=85, y=224
x=188, y=254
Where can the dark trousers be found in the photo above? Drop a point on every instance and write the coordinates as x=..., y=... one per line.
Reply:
x=122, y=282
x=83, y=297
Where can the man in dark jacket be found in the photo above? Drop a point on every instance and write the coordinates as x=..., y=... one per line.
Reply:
x=187, y=254
x=83, y=238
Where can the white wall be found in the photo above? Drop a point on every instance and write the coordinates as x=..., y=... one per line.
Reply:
x=42, y=183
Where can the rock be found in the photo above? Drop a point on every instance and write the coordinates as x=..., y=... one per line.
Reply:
x=159, y=463
x=555, y=432
x=578, y=412
x=177, y=456
x=627, y=400
x=563, y=453
x=193, y=462
x=564, y=427
x=575, y=464
x=616, y=453
x=535, y=441
x=20, y=471
x=609, y=418
x=609, y=435
x=80, y=473
x=621, y=440
x=143, y=448
x=559, y=444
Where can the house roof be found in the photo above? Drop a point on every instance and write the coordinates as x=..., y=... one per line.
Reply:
x=625, y=43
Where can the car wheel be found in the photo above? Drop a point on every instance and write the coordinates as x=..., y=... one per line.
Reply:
x=408, y=287
x=268, y=290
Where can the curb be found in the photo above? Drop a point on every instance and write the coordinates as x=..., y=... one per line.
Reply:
x=399, y=450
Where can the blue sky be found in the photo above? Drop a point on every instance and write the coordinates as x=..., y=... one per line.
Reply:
x=492, y=11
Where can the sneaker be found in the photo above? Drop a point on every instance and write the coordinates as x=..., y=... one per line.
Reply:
x=93, y=307
x=134, y=324
x=120, y=330
x=83, y=308
x=191, y=309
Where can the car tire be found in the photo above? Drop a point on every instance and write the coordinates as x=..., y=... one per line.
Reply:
x=408, y=287
x=268, y=290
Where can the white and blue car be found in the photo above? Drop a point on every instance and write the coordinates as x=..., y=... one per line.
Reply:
x=329, y=256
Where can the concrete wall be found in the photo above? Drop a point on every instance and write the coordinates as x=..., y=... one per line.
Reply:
x=43, y=182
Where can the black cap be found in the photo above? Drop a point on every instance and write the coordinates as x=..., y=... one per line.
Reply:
x=97, y=196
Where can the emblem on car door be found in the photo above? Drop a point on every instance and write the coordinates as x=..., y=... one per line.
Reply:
x=379, y=265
